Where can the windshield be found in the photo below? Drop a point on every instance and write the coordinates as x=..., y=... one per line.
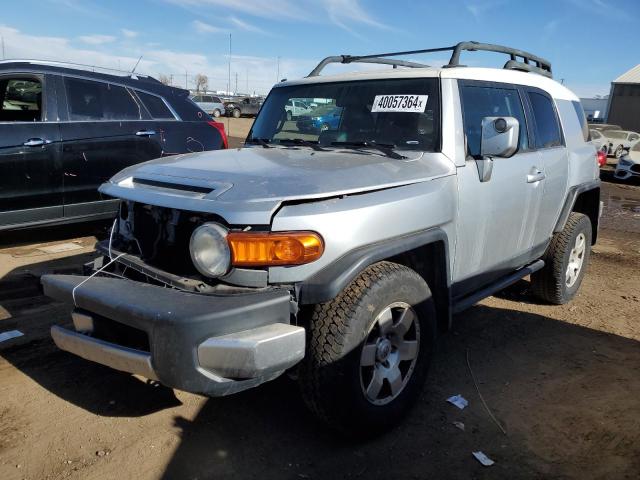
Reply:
x=399, y=113
x=616, y=134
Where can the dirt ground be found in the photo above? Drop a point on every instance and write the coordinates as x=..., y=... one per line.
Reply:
x=564, y=382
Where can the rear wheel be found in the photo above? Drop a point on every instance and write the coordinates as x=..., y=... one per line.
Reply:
x=216, y=113
x=289, y=115
x=236, y=113
x=566, y=261
x=369, y=350
x=619, y=151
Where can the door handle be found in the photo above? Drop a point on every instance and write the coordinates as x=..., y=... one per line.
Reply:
x=145, y=133
x=536, y=175
x=36, y=142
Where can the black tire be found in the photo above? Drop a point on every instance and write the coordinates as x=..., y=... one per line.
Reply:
x=551, y=283
x=619, y=151
x=236, y=113
x=331, y=375
x=289, y=115
x=216, y=113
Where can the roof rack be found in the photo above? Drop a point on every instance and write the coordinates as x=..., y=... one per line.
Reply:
x=528, y=63
x=82, y=66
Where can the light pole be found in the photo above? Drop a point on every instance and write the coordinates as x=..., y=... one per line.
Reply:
x=229, y=78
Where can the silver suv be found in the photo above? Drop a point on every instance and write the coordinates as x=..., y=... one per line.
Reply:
x=339, y=254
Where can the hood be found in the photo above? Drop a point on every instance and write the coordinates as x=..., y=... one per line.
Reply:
x=260, y=179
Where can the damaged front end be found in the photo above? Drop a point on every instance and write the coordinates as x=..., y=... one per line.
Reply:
x=144, y=308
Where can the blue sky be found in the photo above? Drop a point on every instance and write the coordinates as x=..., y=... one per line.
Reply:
x=589, y=42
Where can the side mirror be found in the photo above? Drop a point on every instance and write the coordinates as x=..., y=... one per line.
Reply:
x=499, y=136
x=499, y=139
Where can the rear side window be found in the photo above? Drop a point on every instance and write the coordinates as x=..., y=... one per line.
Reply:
x=156, y=106
x=89, y=100
x=547, y=127
x=582, y=119
x=20, y=99
x=479, y=102
x=216, y=100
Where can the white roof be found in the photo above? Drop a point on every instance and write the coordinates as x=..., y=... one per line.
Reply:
x=632, y=76
x=468, y=73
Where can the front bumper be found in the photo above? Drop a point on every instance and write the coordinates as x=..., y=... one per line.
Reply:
x=209, y=344
x=625, y=171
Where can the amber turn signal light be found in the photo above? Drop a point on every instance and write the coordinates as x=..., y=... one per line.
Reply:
x=258, y=249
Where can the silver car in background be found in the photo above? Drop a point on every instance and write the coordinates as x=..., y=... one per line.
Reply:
x=209, y=103
x=621, y=141
x=629, y=164
x=599, y=140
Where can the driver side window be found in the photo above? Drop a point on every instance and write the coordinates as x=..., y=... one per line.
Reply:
x=479, y=102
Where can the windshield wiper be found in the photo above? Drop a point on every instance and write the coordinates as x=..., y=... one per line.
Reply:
x=385, y=148
x=260, y=141
x=304, y=143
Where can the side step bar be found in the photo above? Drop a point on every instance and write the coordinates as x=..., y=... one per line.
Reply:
x=501, y=284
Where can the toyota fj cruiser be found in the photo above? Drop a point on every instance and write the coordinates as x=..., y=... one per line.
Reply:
x=340, y=254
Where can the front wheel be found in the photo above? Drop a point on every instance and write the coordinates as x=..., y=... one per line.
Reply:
x=216, y=113
x=566, y=261
x=369, y=350
x=289, y=115
x=236, y=113
x=619, y=151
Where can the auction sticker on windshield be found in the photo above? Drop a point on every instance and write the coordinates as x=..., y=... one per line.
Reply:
x=400, y=103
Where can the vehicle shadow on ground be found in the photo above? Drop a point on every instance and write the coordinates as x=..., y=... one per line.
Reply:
x=88, y=385
x=566, y=395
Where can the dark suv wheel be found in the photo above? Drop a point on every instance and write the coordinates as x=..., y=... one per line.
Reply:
x=369, y=350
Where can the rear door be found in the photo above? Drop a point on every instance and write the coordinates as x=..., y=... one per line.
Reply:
x=554, y=160
x=182, y=127
x=30, y=167
x=106, y=130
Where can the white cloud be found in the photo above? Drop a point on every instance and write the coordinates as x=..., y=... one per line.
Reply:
x=478, y=9
x=287, y=9
x=242, y=25
x=155, y=61
x=97, y=39
x=202, y=27
x=346, y=14
x=128, y=33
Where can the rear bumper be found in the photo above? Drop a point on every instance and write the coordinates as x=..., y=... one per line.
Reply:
x=208, y=344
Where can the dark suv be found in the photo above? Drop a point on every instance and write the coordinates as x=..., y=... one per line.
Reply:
x=64, y=131
x=249, y=106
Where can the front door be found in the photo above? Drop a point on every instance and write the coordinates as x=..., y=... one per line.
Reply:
x=107, y=130
x=30, y=167
x=497, y=218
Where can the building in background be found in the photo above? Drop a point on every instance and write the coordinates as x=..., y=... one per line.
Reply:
x=596, y=108
x=624, y=100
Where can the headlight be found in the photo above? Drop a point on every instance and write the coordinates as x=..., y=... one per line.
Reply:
x=209, y=249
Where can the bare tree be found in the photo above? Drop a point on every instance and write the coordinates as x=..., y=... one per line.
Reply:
x=202, y=82
x=164, y=79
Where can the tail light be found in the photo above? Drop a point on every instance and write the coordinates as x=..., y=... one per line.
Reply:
x=220, y=127
x=602, y=158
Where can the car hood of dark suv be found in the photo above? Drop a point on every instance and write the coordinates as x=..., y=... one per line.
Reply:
x=249, y=183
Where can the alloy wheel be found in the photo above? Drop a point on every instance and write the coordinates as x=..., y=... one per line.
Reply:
x=389, y=353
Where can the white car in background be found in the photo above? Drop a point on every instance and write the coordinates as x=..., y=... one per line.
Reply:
x=629, y=164
x=295, y=108
x=209, y=103
x=621, y=140
x=599, y=141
